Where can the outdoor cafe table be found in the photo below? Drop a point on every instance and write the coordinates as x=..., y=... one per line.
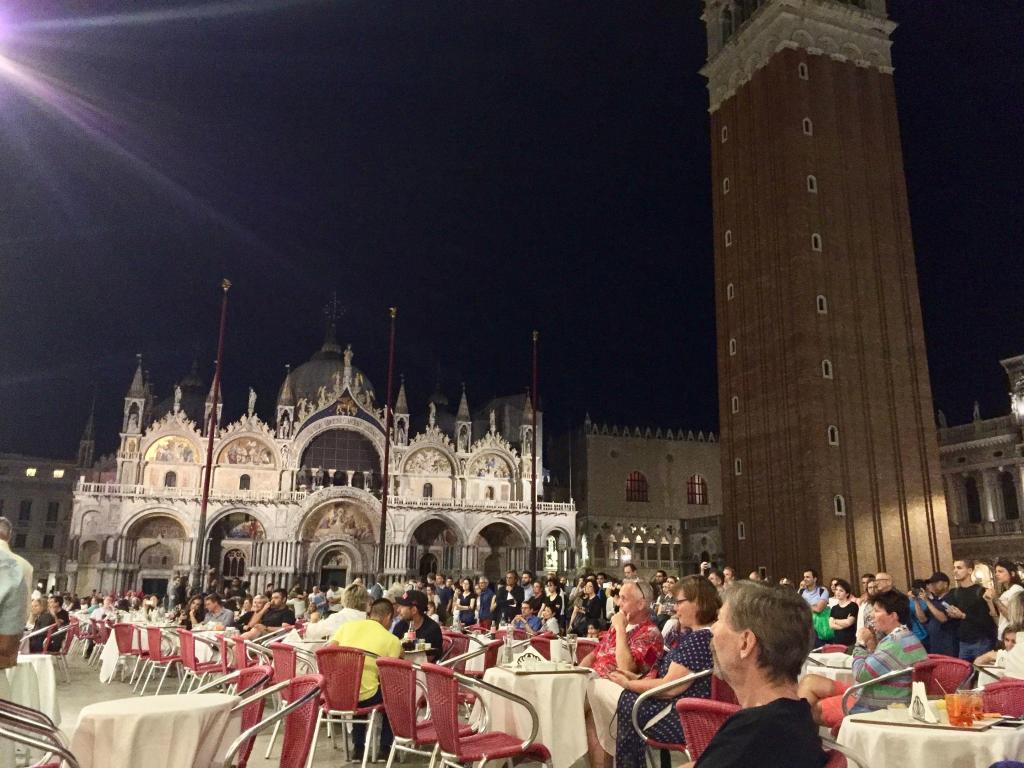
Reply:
x=834, y=666
x=558, y=698
x=176, y=731
x=883, y=744
x=34, y=684
x=140, y=639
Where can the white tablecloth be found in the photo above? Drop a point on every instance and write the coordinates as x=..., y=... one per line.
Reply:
x=558, y=699
x=34, y=684
x=893, y=746
x=834, y=666
x=108, y=656
x=187, y=731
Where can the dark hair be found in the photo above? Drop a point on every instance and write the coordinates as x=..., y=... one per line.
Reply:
x=279, y=591
x=967, y=561
x=845, y=585
x=894, y=602
x=215, y=597
x=702, y=593
x=813, y=573
x=780, y=620
x=381, y=608
x=867, y=576
x=917, y=584
x=1011, y=568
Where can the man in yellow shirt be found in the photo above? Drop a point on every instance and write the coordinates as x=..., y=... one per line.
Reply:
x=371, y=634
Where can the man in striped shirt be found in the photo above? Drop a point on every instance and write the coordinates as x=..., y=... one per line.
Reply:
x=899, y=648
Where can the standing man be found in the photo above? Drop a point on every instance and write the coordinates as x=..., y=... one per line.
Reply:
x=444, y=594
x=629, y=573
x=14, y=591
x=485, y=602
x=527, y=585
x=865, y=579
x=6, y=530
x=412, y=607
x=334, y=597
x=943, y=632
x=977, y=631
x=508, y=599
x=815, y=596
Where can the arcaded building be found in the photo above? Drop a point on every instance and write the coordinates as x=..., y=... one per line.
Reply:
x=297, y=499
x=828, y=443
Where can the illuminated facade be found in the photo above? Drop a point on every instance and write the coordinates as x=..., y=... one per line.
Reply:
x=298, y=500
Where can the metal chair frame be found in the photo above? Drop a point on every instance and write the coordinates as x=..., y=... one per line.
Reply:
x=845, y=701
x=18, y=718
x=408, y=745
x=655, y=693
x=849, y=754
x=274, y=719
x=342, y=717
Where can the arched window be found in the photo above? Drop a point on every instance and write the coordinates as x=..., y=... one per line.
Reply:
x=489, y=493
x=808, y=127
x=725, y=186
x=973, y=500
x=741, y=531
x=1011, y=510
x=726, y=27
x=802, y=72
x=833, y=434
x=812, y=184
x=737, y=466
x=732, y=346
x=728, y=238
x=725, y=133
x=826, y=369
x=428, y=490
x=244, y=483
x=636, y=486
x=730, y=292
x=822, y=303
x=816, y=242
x=696, y=490
x=735, y=404
x=170, y=480
x=839, y=505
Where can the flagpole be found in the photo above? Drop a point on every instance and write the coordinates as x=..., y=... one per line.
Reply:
x=382, y=547
x=200, y=538
x=533, y=463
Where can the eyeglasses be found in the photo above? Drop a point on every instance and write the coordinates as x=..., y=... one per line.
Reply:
x=682, y=600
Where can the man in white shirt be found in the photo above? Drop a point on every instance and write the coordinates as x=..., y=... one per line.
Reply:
x=334, y=595
x=26, y=567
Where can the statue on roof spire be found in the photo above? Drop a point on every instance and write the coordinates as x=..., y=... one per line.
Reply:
x=252, y=401
x=177, y=398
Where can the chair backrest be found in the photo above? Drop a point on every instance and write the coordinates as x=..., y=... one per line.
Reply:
x=722, y=691
x=443, y=697
x=342, y=671
x=102, y=633
x=542, y=645
x=584, y=647
x=252, y=680
x=242, y=660
x=942, y=676
x=300, y=723
x=833, y=648
x=455, y=644
x=398, y=685
x=225, y=654
x=836, y=759
x=285, y=659
x=155, y=639
x=187, y=648
x=701, y=720
x=1005, y=697
x=68, y=639
x=491, y=654
x=124, y=636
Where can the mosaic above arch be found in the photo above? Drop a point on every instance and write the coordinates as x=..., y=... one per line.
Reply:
x=428, y=461
x=246, y=451
x=172, y=450
x=489, y=465
x=338, y=519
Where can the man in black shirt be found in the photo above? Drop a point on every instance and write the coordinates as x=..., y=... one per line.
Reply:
x=412, y=607
x=977, y=630
x=760, y=642
x=507, y=599
x=272, y=616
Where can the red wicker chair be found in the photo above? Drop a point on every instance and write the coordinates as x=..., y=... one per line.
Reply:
x=158, y=659
x=942, y=675
x=285, y=659
x=102, y=636
x=701, y=720
x=195, y=670
x=242, y=658
x=1005, y=697
x=60, y=656
x=722, y=691
x=454, y=644
x=542, y=645
x=124, y=636
x=833, y=648
x=584, y=647
x=490, y=659
x=342, y=671
x=458, y=749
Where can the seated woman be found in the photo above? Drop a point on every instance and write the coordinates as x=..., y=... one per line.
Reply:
x=39, y=618
x=696, y=608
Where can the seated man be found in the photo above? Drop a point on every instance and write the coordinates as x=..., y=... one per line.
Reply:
x=760, y=641
x=412, y=607
x=217, y=613
x=633, y=643
x=271, y=616
x=527, y=619
x=371, y=634
x=899, y=648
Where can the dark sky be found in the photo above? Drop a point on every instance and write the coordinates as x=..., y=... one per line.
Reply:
x=488, y=167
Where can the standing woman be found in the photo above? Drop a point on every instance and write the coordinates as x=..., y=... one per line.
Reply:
x=467, y=602
x=1001, y=595
x=843, y=615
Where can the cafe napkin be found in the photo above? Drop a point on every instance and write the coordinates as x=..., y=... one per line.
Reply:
x=920, y=709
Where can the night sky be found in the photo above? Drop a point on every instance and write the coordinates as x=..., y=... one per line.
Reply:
x=488, y=167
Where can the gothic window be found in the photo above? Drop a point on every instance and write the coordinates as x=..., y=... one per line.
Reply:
x=822, y=304
x=25, y=511
x=812, y=184
x=737, y=466
x=52, y=511
x=428, y=490
x=725, y=133
x=839, y=505
x=833, y=434
x=735, y=404
x=726, y=28
x=741, y=531
x=973, y=500
x=826, y=369
x=696, y=490
x=808, y=127
x=725, y=186
x=730, y=291
x=801, y=70
x=170, y=480
x=1011, y=510
x=234, y=564
x=244, y=483
x=636, y=486
x=732, y=347
x=489, y=493
x=728, y=238
x=816, y=242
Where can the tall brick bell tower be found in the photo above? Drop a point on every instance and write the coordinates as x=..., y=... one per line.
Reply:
x=829, y=450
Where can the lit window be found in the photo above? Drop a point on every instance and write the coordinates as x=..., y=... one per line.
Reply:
x=696, y=490
x=822, y=305
x=826, y=369
x=725, y=133
x=728, y=238
x=30, y=472
x=636, y=486
x=732, y=347
x=816, y=242
x=802, y=71
x=833, y=434
x=808, y=127
x=725, y=186
x=58, y=473
x=812, y=184
x=737, y=466
x=730, y=291
x=839, y=505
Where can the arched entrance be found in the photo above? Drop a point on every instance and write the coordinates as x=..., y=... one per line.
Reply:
x=500, y=547
x=335, y=568
x=230, y=545
x=435, y=547
x=339, y=539
x=155, y=544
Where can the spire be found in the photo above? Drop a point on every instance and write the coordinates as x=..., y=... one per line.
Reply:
x=528, y=407
x=220, y=395
x=438, y=398
x=287, y=394
x=138, y=385
x=463, y=413
x=401, y=404
x=89, y=433
x=87, y=445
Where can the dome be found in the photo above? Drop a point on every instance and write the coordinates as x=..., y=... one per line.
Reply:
x=326, y=369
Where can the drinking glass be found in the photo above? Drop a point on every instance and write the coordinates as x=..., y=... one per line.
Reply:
x=953, y=709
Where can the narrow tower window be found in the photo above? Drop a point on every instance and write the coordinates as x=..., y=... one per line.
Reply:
x=808, y=127
x=812, y=184
x=737, y=466
x=735, y=404
x=170, y=480
x=826, y=369
x=833, y=434
x=244, y=483
x=732, y=347
x=725, y=186
x=741, y=531
x=816, y=242
x=801, y=70
x=728, y=238
x=725, y=133
x=822, y=305
x=839, y=505
x=730, y=291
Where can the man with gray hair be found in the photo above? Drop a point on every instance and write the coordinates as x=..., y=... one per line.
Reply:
x=6, y=530
x=760, y=641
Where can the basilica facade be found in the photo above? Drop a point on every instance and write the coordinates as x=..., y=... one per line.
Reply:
x=298, y=500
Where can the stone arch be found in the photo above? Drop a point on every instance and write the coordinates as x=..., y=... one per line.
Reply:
x=366, y=502
x=323, y=551
x=129, y=526
x=326, y=424
x=802, y=38
x=513, y=525
x=257, y=514
x=851, y=51
x=171, y=448
x=435, y=517
x=423, y=450
x=338, y=519
x=501, y=545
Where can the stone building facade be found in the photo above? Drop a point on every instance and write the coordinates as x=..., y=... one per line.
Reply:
x=298, y=499
x=983, y=476
x=828, y=443
x=649, y=497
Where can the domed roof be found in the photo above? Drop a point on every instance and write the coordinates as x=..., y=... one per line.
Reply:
x=326, y=368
